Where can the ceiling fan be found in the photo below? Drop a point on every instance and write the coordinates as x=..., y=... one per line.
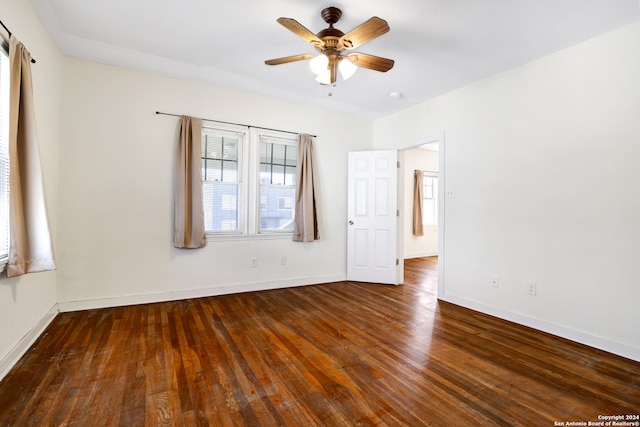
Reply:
x=332, y=44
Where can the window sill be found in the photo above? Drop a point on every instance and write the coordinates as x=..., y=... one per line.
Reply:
x=212, y=237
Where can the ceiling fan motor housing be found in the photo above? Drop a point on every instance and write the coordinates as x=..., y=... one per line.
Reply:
x=330, y=36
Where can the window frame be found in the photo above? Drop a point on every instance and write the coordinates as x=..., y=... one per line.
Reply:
x=242, y=175
x=284, y=139
x=249, y=183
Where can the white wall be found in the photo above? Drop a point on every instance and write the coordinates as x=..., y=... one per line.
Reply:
x=116, y=183
x=544, y=162
x=427, y=244
x=26, y=302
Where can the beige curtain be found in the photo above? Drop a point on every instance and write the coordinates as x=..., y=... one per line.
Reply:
x=188, y=229
x=306, y=221
x=417, y=204
x=30, y=248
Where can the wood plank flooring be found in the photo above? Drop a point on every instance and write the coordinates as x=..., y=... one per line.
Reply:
x=339, y=354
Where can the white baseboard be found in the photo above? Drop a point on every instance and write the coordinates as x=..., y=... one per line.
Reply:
x=619, y=349
x=27, y=341
x=193, y=293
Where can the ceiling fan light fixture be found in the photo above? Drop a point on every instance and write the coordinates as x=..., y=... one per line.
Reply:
x=324, y=78
x=347, y=68
x=319, y=64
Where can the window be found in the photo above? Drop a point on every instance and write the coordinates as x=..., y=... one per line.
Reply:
x=277, y=184
x=221, y=186
x=248, y=180
x=429, y=198
x=4, y=156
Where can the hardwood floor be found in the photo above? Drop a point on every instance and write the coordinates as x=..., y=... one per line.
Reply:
x=338, y=354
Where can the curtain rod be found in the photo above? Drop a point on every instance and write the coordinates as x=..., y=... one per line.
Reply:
x=237, y=124
x=33, y=61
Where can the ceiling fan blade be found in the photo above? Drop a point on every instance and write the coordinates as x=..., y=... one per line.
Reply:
x=371, y=62
x=364, y=32
x=288, y=59
x=298, y=29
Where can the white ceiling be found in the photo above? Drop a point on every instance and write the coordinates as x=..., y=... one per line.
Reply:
x=438, y=45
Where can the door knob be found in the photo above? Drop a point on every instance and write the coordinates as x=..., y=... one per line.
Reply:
x=350, y=222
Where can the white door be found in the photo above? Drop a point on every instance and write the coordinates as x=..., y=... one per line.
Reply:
x=372, y=216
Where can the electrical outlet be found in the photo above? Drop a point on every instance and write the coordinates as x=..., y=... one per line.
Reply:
x=532, y=288
x=254, y=262
x=495, y=282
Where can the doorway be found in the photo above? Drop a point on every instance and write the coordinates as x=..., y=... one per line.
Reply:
x=371, y=257
x=427, y=157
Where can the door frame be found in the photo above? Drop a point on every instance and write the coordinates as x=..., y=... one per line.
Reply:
x=441, y=209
